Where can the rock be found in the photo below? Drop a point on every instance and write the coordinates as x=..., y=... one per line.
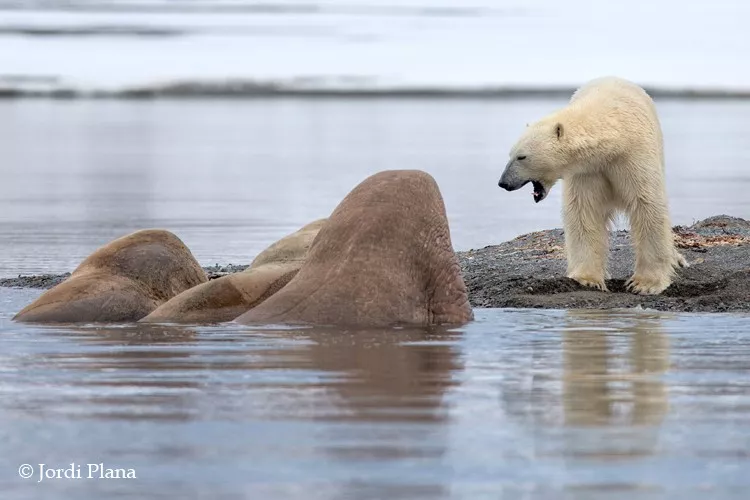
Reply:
x=39, y=281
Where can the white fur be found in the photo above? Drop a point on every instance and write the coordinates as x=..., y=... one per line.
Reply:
x=606, y=145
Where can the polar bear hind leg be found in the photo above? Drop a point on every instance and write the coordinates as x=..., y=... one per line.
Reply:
x=655, y=254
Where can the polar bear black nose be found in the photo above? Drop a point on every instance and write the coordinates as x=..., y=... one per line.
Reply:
x=504, y=185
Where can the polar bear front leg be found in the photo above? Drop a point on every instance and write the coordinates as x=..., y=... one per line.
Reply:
x=586, y=216
x=655, y=254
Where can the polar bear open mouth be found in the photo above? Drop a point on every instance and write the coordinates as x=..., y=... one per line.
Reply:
x=539, y=192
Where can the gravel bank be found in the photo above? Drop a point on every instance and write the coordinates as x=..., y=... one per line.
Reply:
x=529, y=272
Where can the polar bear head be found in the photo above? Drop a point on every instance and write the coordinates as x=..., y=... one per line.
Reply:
x=540, y=156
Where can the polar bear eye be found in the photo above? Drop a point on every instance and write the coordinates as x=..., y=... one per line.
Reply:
x=521, y=157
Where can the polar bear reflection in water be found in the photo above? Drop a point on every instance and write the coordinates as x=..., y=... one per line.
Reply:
x=607, y=147
x=602, y=395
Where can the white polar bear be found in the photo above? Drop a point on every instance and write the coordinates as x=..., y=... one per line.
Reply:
x=606, y=146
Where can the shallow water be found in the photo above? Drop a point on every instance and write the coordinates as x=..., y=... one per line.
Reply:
x=229, y=177
x=524, y=404
x=528, y=404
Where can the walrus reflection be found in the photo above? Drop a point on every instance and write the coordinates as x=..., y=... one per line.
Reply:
x=131, y=372
x=387, y=380
x=388, y=374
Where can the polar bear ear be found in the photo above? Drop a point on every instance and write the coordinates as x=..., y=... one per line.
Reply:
x=559, y=130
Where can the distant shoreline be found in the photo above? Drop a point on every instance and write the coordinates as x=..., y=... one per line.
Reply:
x=253, y=90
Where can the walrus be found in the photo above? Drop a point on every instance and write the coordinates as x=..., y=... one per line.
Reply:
x=225, y=298
x=384, y=258
x=122, y=281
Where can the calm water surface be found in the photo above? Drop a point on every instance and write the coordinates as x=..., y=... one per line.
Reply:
x=230, y=177
x=518, y=404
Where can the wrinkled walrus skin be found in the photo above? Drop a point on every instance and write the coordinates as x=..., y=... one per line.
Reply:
x=225, y=298
x=384, y=258
x=120, y=282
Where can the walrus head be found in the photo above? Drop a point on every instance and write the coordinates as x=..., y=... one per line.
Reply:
x=383, y=258
x=123, y=280
x=225, y=298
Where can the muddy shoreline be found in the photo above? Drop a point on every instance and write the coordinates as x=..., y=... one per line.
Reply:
x=528, y=272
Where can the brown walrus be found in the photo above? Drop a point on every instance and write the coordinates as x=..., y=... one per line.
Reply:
x=225, y=298
x=383, y=258
x=122, y=281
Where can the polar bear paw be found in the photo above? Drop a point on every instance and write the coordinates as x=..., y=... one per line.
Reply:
x=647, y=285
x=589, y=281
x=679, y=260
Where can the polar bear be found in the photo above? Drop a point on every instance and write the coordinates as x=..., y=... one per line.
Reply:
x=606, y=146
